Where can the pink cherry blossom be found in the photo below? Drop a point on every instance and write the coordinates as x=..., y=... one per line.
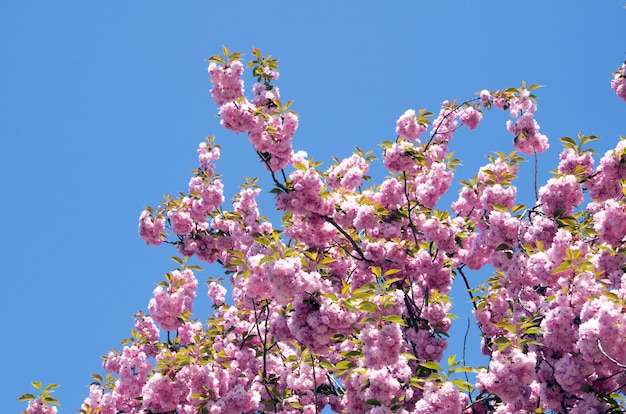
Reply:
x=408, y=126
x=346, y=305
x=618, y=83
x=560, y=195
x=470, y=117
x=227, y=83
x=39, y=407
x=150, y=228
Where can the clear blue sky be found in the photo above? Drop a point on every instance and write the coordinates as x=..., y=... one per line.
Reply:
x=103, y=103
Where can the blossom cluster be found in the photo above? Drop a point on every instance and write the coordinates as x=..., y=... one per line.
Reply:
x=618, y=83
x=346, y=305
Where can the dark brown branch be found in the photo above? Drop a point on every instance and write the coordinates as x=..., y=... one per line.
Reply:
x=409, y=209
x=347, y=236
x=613, y=360
x=469, y=289
x=456, y=108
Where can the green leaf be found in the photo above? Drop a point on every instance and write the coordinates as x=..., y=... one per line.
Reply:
x=502, y=343
x=396, y=319
x=535, y=330
x=391, y=281
x=409, y=356
x=26, y=397
x=373, y=402
x=568, y=142
x=562, y=267
x=463, y=385
x=367, y=306
x=345, y=288
x=368, y=320
x=343, y=366
x=177, y=260
x=431, y=365
x=327, y=365
x=50, y=400
x=464, y=369
x=451, y=360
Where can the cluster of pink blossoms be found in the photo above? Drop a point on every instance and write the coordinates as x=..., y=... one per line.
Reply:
x=408, y=126
x=348, y=174
x=39, y=407
x=618, y=83
x=347, y=306
x=150, y=228
x=270, y=127
x=523, y=125
x=227, y=83
x=444, y=398
x=168, y=305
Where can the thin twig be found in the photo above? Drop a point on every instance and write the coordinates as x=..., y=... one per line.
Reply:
x=464, y=361
x=536, y=166
x=408, y=205
x=347, y=236
x=314, y=384
x=469, y=289
x=456, y=108
x=266, y=161
x=264, y=339
x=613, y=360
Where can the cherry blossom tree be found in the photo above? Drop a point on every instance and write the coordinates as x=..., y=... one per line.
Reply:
x=344, y=305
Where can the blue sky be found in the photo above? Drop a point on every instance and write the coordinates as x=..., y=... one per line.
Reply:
x=102, y=105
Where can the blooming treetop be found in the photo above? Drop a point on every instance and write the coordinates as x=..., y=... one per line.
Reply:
x=346, y=304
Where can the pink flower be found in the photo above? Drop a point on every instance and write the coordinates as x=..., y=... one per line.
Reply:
x=240, y=117
x=408, y=126
x=431, y=186
x=304, y=198
x=150, y=228
x=441, y=399
x=470, y=117
x=348, y=174
x=39, y=407
x=160, y=394
x=485, y=96
x=605, y=183
x=498, y=195
x=610, y=222
x=217, y=293
x=264, y=94
x=99, y=400
x=560, y=195
x=146, y=327
x=168, y=305
x=527, y=140
x=207, y=154
x=227, y=83
x=188, y=332
x=618, y=83
x=181, y=221
x=381, y=347
x=398, y=157
x=445, y=124
x=510, y=377
x=572, y=162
